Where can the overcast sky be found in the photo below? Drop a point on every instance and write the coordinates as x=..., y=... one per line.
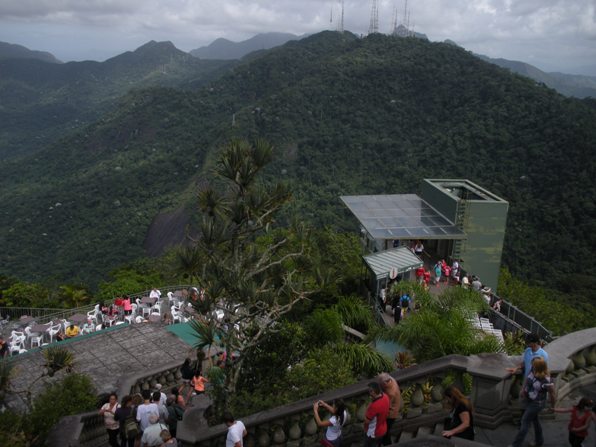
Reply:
x=554, y=35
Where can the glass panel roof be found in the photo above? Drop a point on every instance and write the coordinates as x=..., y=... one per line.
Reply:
x=401, y=216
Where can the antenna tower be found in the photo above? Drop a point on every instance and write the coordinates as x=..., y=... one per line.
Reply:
x=340, y=25
x=373, y=28
x=394, y=21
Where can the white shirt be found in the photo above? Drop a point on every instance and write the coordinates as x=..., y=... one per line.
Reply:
x=143, y=412
x=235, y=434
x=151, y=435
x=334, y=430
x=155, y=294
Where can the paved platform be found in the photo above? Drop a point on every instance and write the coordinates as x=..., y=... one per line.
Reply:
x=108, y=355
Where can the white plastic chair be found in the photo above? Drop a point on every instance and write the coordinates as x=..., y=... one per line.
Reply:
x=145, y=310
x=92, y=314
x=53, y=330
x=65, y=324
x=17, y=345
x=37, y=340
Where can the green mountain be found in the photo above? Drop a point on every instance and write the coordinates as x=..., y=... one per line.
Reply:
x=225, y=49
x=13, y=51
x=348, y=116
x=41, y=102
x=578, y=86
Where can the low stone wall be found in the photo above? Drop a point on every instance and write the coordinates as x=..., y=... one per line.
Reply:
x=572, y=360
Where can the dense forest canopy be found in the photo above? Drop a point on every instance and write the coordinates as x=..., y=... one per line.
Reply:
x=347, y=116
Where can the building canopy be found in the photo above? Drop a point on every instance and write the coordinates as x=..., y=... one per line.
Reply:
x=399, y=260
x=401, y=216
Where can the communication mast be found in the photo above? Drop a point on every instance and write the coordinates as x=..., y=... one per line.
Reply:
x=373, y=28
x=340, y=24
x=394, y=21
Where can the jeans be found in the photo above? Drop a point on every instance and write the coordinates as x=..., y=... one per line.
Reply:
x=372, y=442
x=113, y=437
x=387, y=438
x=575, y=441
x=530, y=417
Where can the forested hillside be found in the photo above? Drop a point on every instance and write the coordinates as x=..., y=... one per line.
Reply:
x=42, y=101
x=348, y=116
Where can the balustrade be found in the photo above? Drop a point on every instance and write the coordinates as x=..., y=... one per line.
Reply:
x=572, y=360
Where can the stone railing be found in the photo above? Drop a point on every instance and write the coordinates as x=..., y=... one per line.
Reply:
x=572, y=360
x=168, y=375
x=87, y=429
x=484, y=377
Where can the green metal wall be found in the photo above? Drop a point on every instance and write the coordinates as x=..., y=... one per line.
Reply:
x=439, y=199
x=484, y=226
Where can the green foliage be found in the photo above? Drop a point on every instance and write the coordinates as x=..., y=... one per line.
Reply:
x=58, y=358
x=323, y=369
x=441, y=327
x=26, y=295
x=127, y=280
x=74, y=394
x=324, y=326
x=514, y=343
x=363, y=360
x=266, y=360
x=555, y=311
x=11, y=429
x=355, y=313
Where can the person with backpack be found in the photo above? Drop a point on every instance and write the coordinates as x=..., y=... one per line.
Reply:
x=405, y=302
x=334, y=424
x=126, y=416
x=537, y=386
x=175, y=414
x=579, y=423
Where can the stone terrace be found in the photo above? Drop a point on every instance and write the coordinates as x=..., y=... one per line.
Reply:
x=108, y=355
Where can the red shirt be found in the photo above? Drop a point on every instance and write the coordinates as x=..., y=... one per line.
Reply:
x=579, y=421
x=420, y=272
x=377, y=413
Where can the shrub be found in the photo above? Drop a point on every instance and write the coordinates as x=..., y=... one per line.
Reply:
x=74, y=394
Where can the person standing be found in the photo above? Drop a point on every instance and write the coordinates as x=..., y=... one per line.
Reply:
x=533, y=350
x=334, y=424
x=125, y=417
x=375, y=418
x=155, y=293
x=198, y=382
x=391, y=388
x=108, y=410
x=437, y=269
x=236, y=431
x=581, y=417
x=145, y=410
x=395, y=304
x=460, y=422
x=537, y=386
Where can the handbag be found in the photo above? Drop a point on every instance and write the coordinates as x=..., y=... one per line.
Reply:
x=131, y=428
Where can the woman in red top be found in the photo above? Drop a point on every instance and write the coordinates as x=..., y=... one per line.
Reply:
x=579, y=422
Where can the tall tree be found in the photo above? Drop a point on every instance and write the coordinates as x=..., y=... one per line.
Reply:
x=248, y=287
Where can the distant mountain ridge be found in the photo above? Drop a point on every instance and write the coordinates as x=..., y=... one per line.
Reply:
x=579, y=86
x=225, y=49
x=41, y=101
x=14, y=51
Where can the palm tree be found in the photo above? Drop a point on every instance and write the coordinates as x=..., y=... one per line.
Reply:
x=207, y=335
